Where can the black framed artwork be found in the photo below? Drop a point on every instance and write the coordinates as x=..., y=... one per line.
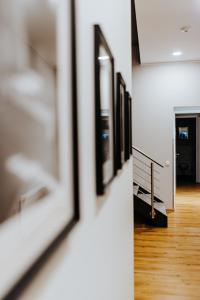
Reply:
x=120, y=121
x=104, y=109
x=128, y=126
x=39, y=202
x=183, y=133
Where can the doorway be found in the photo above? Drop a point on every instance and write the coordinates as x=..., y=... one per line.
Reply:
x=185, y=150
x=186, y=133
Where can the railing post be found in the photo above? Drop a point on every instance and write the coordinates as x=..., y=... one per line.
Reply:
x=152, y=191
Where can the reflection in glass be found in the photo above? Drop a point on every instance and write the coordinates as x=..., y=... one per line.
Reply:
x=106, y=113
x=105, y=137
x=28, y=151
x=122, y=130
x=183, y=133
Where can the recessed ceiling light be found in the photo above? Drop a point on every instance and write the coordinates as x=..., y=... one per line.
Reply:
x=177, y=53
x=185, y=29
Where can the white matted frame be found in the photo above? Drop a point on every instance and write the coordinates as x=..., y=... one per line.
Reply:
x=45, y=211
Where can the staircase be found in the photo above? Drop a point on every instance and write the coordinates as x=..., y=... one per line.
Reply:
x=147, y=201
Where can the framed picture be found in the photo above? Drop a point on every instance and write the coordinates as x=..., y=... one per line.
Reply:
x=39, y=202
x=104, y=107
x=120, y=121
x=128, y=126
x=183, y=133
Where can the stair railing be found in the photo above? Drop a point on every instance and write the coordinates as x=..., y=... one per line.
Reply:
x=153, y=171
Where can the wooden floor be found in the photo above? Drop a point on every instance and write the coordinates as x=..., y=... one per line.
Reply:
x=167, y=260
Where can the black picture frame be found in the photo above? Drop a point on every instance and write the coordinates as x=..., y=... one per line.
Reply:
x=120, y=120
x=128, y=126
x=18, y=284
x=74, y=105
x=104, y=111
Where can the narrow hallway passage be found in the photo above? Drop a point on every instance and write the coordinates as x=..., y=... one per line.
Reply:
x=167, y=260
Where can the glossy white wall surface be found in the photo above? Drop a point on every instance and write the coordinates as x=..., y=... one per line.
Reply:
x=157, y=89
x=96, y=260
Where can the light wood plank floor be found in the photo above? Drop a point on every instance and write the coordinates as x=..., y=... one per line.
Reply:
x=167, y=260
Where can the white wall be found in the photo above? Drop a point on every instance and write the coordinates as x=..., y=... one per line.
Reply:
x=95, y=262
x=157, y=89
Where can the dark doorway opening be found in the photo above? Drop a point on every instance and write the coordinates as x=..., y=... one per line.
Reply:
x=185, y=150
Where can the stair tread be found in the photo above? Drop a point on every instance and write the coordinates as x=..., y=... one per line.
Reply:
x=148, y=196
x=145, y=190
x=135, y=189
x=157, y=205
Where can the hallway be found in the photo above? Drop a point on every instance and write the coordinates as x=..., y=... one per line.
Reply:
x=167, y=260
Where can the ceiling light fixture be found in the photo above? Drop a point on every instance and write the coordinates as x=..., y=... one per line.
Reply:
x=177, y=53
x=185, y=29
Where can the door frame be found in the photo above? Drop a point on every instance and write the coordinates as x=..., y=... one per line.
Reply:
x=191, y=112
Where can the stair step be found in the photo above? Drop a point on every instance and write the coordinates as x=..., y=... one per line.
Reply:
x=142, y=207
x=156, y=199
x=135, y=189
x=157, y=205
x=145, y=191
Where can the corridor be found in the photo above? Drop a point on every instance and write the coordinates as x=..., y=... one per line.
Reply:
x=167, y=260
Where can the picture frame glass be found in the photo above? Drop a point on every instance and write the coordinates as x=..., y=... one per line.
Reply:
x=122, y=122
x=183, y=133
x=104, y=111
x=38, y=151
x=127, y=126
x=130, y=125
x=106, y=114
x=29, y=152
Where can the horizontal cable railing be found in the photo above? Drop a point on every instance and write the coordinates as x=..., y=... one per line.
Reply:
x=146, y=187
x=146, y=172
x=145, y=164
x=147, y=175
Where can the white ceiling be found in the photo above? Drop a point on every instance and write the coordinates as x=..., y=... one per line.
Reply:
x=159, y=23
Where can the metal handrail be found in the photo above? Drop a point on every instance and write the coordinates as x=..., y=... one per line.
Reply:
x=144, y=154
x=152, y=176
x=140, y=162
